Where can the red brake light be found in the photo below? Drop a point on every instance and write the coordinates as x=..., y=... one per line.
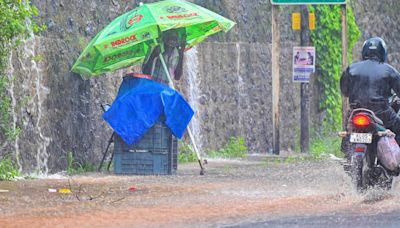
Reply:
x=360, y=149
x=361, y=120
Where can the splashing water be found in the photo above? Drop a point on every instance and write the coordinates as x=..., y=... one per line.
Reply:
x=241, y=84
x=193, y=81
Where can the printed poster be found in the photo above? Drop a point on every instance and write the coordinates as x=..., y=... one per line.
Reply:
x=303, y=63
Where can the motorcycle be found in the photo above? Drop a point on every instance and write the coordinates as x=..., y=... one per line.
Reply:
x=364, y=130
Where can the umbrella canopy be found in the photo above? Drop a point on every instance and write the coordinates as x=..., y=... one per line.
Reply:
x=128, y=39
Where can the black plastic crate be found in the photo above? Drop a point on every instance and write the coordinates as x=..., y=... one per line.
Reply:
x=155, y=154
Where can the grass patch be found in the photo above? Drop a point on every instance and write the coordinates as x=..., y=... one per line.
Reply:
x=292, y=159
x=186, y=153
x=235, y=148
x=38, y=58
x=323, y=146
x=76, y=168
x=8, y=170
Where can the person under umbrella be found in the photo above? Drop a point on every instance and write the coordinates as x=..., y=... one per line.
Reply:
x=129, y=39
x=174, y=47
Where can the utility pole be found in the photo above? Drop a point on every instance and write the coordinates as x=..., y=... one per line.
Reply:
x=305, y=91
x=275, y=78
x=345, y=100
x=305, y=41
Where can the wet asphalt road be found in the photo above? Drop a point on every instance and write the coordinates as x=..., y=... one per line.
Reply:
x=376, y=208
x=255, y=192
x=389, y=220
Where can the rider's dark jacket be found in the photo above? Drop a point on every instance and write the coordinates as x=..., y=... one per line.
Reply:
x=369, y=84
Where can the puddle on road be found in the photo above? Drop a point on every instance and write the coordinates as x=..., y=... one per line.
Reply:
x=310, y=185
x=323, y=180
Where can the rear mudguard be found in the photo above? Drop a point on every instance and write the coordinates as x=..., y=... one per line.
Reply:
x=365, y=171
x=357, y=162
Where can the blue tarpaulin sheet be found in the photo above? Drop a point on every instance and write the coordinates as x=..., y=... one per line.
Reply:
x=139, y=105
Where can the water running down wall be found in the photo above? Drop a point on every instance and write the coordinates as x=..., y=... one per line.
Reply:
x=227, y=80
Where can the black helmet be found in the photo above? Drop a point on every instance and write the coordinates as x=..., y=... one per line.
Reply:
x=374, y=48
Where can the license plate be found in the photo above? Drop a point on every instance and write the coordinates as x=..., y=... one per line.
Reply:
x=361, y=138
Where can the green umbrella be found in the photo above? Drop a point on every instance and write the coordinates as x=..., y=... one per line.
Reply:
x=128, y=39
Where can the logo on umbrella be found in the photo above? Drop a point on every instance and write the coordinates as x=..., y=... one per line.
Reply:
x=175, y=9
x=118, y=56
x=135, y=19
x=124, y=40
x=130, y=19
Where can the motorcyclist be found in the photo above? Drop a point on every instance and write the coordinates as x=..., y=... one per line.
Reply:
x=369, y=83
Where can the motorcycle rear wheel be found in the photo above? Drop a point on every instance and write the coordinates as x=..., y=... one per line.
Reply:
x=356, y=172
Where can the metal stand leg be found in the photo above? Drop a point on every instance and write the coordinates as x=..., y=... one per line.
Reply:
x=109, y=163
x=111, y=140
x=171, y=84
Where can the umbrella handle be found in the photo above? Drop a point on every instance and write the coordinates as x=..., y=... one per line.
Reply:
x=171, y=84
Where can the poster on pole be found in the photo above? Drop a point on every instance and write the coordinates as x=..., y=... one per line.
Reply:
x=303, y=63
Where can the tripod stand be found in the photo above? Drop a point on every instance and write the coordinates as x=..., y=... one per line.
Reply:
x=111, y=140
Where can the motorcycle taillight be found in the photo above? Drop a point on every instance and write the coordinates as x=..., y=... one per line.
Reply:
x=361, y=120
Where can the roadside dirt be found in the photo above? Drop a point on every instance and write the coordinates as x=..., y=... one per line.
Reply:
x=231, y=192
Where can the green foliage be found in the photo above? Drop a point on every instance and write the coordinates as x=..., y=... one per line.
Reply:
x=75, y=168
x=38, y=58
x=186, y=153
x=16, y=23
x=236, y=148
x=16, y=20
x=327, y=40
x=6, y=129
x=289, y=159
x=322, y=146
x=8, y=170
